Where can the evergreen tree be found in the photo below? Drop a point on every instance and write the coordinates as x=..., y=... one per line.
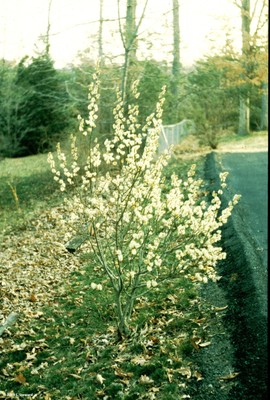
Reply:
x=46, y=104
x=12, y=126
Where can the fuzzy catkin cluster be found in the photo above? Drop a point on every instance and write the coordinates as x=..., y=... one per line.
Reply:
x=140, y=233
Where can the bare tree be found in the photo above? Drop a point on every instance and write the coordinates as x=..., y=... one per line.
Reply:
x=100, y=31
x=244, y=107
x=129, y=39
x=131, y=29
x=249, y=45
x=264, y=107
x=47, y=37
x=176, y=47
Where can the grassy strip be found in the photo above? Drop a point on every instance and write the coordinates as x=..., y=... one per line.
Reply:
x=72, y=351
x=26, y=186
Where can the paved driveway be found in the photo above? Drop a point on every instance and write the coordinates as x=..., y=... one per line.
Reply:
x=248, y=177
x=244, y=271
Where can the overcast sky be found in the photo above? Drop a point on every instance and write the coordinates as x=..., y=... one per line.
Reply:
x=203, y=24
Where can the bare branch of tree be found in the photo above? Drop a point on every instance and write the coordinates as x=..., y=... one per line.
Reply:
x=48, y=28
x=261, y=22
x=141, y=18
x=120, y=26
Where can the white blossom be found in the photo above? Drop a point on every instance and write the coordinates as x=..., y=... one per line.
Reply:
x=138, y=233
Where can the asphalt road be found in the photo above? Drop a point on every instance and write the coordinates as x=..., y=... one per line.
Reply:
x=248, y=176
x=244, y=271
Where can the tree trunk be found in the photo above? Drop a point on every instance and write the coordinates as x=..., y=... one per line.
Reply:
x=122, y=317
x=264, y=109
x=131, y=30
x=244, y=116
x=100, y=31
x=244, y=106
x=176, y=47
x=130, y=44
x=129, y=40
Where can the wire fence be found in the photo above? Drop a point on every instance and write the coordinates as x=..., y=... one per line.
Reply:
x=174, y=134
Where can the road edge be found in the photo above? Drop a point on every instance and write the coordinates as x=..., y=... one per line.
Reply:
x=246, y=318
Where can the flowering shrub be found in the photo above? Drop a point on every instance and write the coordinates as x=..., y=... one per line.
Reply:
x=139, y=233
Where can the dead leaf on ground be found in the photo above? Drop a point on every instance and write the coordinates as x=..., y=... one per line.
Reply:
x=197, y=375
x=139, y=360
x=204, y=344
x=229, y=377
x=122, y=374
x=100, y=379
x=20, y=378
x=185, y=372
x=219, y=308
x=33, y=298
x=75, y=376
x=145, y=380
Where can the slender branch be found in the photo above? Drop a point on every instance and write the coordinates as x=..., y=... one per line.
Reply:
x=48, y=28
x=140, y=21
x=260, y=23
x=120, y=26
x=101, y=258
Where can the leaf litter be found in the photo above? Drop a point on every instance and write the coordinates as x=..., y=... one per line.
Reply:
x=34, y=267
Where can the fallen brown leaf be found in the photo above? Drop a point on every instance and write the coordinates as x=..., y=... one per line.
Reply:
x=204, y=344
x=229, y=377
x=20, y=378
x=219, y=308
x=197, y=375
x=185, y=372
x=33, y=298
x=75, y=376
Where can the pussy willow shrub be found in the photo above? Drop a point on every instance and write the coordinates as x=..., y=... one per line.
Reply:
x=139, y=233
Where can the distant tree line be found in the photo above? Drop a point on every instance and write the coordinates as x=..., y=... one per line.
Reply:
x=39, y=104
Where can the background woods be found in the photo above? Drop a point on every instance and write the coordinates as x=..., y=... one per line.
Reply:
x=224, y=90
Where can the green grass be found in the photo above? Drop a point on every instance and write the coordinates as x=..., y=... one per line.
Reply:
x=26, y=186
x=62, y=353
x=251, y=138
x=74, y=341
